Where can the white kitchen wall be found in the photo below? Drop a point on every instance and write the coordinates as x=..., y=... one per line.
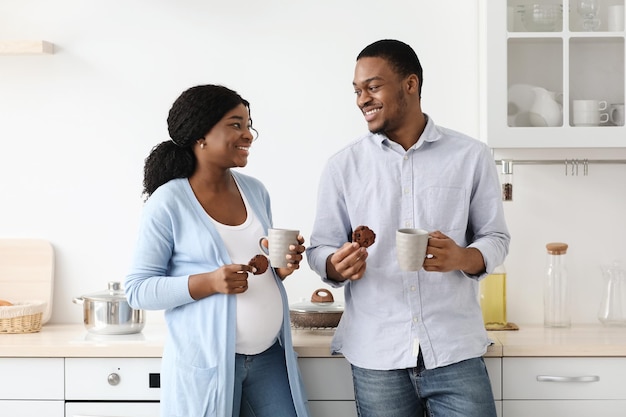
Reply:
x=76, y=126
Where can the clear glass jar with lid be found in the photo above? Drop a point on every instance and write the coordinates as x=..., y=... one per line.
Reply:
x=556, y=296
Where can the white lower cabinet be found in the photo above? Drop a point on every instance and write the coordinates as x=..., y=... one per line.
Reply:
x=572, y=387
x=561, y=408
x=35, y=387
x=112, y=409
x=494, y=368
x=328, y=383
x=31, y=379
x=18, y=408
x=499, y=411
x=332, y=408
x=522, y=386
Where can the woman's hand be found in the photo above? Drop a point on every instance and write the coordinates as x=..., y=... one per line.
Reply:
x=293, y=258
x=227, y=279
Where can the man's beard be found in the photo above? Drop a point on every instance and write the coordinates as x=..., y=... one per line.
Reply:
x=381, y=129
x=402, y=105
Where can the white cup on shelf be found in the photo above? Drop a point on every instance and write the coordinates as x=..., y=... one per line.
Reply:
x=616, y=114
x=589, y=112
x=615, y=19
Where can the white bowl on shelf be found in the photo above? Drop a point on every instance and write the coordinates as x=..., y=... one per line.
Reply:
x=520, y=100
x=542, y=17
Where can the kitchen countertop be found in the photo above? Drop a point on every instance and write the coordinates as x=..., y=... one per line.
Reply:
x=579, y=340
x=72, y=340
x=316, y=343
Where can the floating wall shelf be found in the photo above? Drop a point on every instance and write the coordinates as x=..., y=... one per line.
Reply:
x=26, y=47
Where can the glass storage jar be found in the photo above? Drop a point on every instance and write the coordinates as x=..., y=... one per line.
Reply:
x=613, y=307
x=556, y=302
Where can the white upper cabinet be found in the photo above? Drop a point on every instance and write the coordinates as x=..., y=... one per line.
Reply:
x=542, y=59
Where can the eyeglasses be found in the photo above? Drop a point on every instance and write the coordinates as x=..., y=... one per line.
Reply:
x=255, y=133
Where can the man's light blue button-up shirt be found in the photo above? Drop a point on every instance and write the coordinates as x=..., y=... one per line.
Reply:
x=447, y=181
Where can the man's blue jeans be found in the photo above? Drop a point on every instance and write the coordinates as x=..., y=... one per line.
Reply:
x=458, y=390
x=261, y=385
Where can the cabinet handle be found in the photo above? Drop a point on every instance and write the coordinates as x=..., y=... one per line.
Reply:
x=551, y=378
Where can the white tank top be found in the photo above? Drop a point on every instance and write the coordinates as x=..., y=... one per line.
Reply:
x=259, y=309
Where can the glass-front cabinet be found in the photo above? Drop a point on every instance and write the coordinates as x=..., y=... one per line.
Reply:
x=554, y=73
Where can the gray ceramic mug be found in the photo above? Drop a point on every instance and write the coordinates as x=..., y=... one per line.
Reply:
x=279, y=241
x=411, y=247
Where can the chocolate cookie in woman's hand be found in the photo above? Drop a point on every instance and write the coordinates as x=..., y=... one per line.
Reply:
x=259, y=262
x=364, y=236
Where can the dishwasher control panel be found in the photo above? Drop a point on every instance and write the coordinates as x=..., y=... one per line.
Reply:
x=112, y=379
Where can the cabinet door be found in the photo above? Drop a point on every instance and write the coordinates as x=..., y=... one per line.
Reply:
x=557, y=408
x=327, y=378
x=563, y=378
x=32, y=408
x=31, y=379
x=332, y=408
x=494, y=368
x=111, y=409
x=328, y=382
x=534, y=71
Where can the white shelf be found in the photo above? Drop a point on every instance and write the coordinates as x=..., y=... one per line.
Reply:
x=26, y=47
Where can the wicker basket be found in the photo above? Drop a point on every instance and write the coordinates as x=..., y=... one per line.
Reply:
x=22, y=317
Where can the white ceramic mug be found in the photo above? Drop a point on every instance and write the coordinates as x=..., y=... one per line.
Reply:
x=590, y=118
x=587, y=112
x=411, y=247
x=615, y=21
x=616, y=114
x=279, y=241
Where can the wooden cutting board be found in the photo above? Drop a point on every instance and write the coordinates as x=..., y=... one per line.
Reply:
x=27, y=272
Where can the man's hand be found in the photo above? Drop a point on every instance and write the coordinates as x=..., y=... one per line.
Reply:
x=348, y=262
x=443, y=255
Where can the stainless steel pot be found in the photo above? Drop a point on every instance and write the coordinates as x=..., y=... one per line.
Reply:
x=108, y=312
x=322, y=311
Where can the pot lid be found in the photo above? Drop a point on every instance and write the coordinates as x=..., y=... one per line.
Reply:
x=114, y=292
x=322, y=301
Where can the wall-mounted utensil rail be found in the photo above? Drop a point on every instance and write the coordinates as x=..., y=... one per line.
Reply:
x=572, y=166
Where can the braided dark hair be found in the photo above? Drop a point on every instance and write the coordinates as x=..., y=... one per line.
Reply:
x=191, y=117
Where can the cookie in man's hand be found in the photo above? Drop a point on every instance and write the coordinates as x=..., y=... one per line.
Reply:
x=364, y=236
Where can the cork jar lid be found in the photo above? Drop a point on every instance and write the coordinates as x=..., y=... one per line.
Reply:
x=556, y=248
